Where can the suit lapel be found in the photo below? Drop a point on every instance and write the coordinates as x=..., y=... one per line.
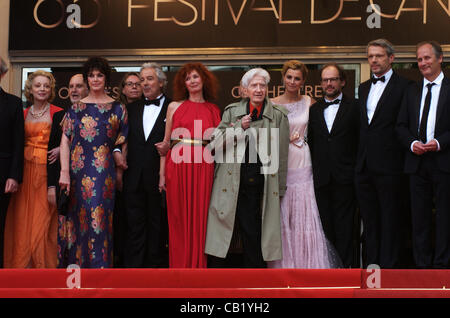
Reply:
x=387, y=90
x=417, y=103
x=365, y=88
x=342, y=110
x=160, y=120
x=139, y=122
x=445, y=87
x=322, y=122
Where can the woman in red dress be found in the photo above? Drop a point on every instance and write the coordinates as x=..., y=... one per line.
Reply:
x=187, y=171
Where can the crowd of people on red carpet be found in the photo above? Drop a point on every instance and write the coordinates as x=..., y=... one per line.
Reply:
x=152, y=181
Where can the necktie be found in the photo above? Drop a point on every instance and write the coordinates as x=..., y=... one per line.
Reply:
x=254, y=114
x=155, y=101
x=376, y=79
x=336, y=101
x=426, y=110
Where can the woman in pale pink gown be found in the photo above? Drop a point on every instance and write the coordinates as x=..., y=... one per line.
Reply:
x=303, y=239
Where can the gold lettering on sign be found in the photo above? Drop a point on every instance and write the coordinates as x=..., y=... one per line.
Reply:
x=203, y=10
x=91, y=25
x=313, y=18
x=308, y=90
x=236, y=19
x=272, y=8
x=216, y=12
x=318, y=91
x=271, y=92
x=338, y=13
x=351, y=18
x=446, y=9
x=193, y=19
x=281, y=21
x=424, y=9
x=48, y=26
x=236, y=92
x=134, y=6
x=155, y=15
x=384, y=15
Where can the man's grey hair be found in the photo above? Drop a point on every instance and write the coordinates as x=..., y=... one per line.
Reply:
x=3, y=66
x=437, y=49
x=247, y=78
x=162, y=77
x=384, y=44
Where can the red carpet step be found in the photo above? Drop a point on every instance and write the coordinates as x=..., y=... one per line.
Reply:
x=223, y=283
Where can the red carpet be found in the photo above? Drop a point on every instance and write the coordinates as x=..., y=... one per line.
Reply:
x=225, y=283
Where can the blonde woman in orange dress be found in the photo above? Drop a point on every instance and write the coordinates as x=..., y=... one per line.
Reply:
x=31, y=220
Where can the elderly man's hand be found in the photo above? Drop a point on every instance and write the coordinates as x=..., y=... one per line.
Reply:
x=245, y=122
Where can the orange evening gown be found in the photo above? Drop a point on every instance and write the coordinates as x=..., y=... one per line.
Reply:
x=31, y=226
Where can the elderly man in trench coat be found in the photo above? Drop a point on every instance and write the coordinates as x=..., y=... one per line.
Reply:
x=247, y=186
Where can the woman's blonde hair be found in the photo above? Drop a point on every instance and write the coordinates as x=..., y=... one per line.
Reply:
x=295, y=65
x=29, y=84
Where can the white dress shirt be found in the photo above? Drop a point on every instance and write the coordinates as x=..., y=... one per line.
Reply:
x=431, y=122
x=151, y=113
x=376, y=90
x=330, y=112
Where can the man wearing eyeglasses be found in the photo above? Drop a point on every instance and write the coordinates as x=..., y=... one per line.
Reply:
x=131, y=88
x=333, y=140
x=380, y=183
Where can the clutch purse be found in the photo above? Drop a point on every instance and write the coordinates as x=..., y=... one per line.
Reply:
x=63, y=203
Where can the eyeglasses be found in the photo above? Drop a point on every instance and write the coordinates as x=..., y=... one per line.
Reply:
x=131, y=84
x=332, y=80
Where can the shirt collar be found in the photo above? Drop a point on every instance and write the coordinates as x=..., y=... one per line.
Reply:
x=387, y=76
x=438, y=80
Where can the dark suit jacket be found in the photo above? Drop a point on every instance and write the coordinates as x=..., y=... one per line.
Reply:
x=143, y=159
x=379, y=148
x=12, y=137
x=408, y=125
x=53, y=170
x=334, y=153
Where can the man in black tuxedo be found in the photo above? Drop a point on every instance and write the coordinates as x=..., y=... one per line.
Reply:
x=380, y=183
x=147, y=229
x=424, y=130
x=11, y=150
x=333, y=130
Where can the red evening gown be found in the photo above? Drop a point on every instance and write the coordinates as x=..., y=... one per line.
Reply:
x=189, y=180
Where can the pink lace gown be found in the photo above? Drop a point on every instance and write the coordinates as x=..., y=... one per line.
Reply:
x=303, y=240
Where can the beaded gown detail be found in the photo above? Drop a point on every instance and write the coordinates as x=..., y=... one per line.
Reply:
x=303, y=239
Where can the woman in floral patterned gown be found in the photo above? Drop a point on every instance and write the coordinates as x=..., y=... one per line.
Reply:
x=91, y=130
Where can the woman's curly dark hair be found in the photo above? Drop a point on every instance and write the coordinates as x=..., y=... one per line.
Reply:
x=100, y=64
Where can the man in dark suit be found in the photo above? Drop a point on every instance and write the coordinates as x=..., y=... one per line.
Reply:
x=333, y=130
x=424, y=130
x=11, y=150
x=146, y=216
x=380, y=183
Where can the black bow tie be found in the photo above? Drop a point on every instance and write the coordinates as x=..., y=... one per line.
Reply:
x=376, y=79
x=336, y=101
x=155, y=101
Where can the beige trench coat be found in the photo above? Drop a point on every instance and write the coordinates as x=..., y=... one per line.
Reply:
x=222, y=208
